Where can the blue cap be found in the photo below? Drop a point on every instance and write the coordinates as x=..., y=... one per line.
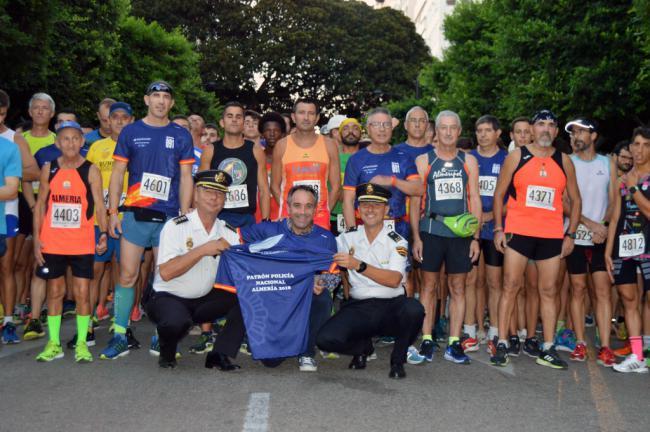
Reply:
x=544, y=114
x=69, y=124
x=121, y=106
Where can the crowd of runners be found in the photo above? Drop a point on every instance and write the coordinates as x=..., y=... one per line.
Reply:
x=509, y=245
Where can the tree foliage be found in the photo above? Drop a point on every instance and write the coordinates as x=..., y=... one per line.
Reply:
x=513, y=57
x=265, y=53
x=81, y=52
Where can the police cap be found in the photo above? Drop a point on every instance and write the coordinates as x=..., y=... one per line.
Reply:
x=213, y=179
x=371, y=192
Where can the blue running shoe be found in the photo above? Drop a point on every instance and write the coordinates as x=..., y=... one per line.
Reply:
x=117, y=347
x=154, y=348
x=413, y=356
x=454, y=353
x=9, y=335
x=427, y=348
x=565, y=341
x=385, y=341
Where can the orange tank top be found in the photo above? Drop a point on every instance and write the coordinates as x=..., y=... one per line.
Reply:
x=534, y=205
x=309, y=167
x=68, y=226
x=275, y=208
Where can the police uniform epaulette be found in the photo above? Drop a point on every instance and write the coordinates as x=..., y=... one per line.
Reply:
x=180, y=219
x=352, y=229
x=231, y=228
x=394, y=236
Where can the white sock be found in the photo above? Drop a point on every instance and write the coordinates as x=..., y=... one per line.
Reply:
x=492, y=331
x=503, y=341
x=8, y=319
x=547, y=346
x=646, y=341
x=470, y=330
x=523, y=334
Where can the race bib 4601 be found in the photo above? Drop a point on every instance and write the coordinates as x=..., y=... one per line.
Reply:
x=155, y=186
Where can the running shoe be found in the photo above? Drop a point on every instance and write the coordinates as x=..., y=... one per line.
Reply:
x=51, y=352
x=136, y=313
x=90, y=340
x=131, y=340
x=492, y=346
x=154, y=348
x=9, y=335
x=523, y=334
x=606, y=357
x=203, y=344
x=427, y=348
x=307, y=364
x=500, y=358
x=69, y=308
x=414, y=357
x=117, y=347
x=245, y=349
x=624, y=351
x=385, y=341
x=454, y=353
x=565, y=341
x=329, y=355
x=631, y=364
x=43, y=317
x=481, y=336
x=441, y=329
x=82, y=355
x=579, y=353
x=590, y=321
x=551, y=359
x=102, y=313
x=468, y=343
x=514, y=347
x=531, y=347
x=33, y=330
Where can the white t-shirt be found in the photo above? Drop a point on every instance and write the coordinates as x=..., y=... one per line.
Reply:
x=593, y=181
x=387, y=251
x=178, y=237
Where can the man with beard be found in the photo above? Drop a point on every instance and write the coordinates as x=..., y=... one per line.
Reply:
x=535, y=177
x=349, y=132
x=595, y=183
x=622, y=158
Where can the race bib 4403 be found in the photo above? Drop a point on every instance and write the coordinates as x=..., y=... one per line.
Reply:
x=66, y=216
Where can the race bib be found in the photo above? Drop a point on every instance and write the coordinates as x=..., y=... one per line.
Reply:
x=449, y=188
x=237, y=197
x=340, y=223
x=583, y=236
x=155, y=186
x=389, y=224
x=107, y=200
x=540, y=197
x=487, y=185
x=314, y=184
x=66, y=216
x=631, y=245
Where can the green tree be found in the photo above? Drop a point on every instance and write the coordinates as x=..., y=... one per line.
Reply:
x=265, y=53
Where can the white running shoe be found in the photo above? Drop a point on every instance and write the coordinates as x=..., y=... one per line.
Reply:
x=631, y=364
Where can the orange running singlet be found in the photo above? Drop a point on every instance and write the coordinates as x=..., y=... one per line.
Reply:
x=309, y=167
x=534, y=206
x=68, y=226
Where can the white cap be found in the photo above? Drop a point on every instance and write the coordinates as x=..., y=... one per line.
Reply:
x=334, y=123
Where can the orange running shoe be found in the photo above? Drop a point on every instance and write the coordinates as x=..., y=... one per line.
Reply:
x=606, y=357
x=624, y=351
x=579, y=353
x=102, y=313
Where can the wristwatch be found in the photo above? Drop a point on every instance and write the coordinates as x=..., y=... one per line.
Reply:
x=633, y=189
x=362, y=267
x=571, y=235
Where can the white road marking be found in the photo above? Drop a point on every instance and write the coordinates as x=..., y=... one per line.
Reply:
x=508, y=369
x=257, y=414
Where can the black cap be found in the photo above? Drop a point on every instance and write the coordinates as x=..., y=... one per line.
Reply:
x=371, y=192
x=213, y=179
x=159, y=86
x=544, y=114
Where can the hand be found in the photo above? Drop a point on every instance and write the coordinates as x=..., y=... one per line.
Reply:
x=38, y=254
x=598, y=238
x=343, y=259
x=382, y=180
x=599, y=230
x=102, y=244
x=319, y=285
x=609, y=265
x=631, y=178
x=215, y=247
x=567, y=247
x=500, y=241
x=474, y=250
x=114, y=226
x=416, y=249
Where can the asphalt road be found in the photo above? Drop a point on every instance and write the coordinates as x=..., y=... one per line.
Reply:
x=133, y=394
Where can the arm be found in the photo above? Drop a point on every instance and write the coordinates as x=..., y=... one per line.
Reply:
x=334, y=177
x=10, y=190
x=476, y=206
x=262, y=182
x=30, y=168
x=348, y=207
x=206, y=157
x=421, y=163
x=186, y=188
x=276, y=169
x=39, y=213
x=28, y=194
x=632, y=179
x=386, y=277
x=95, y=180
x=505, y=177
x=115, y=188
x=576, y=204
x=611, y=233
x=181, y=264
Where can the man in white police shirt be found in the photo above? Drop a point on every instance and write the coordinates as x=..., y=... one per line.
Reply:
x=376, y=261
x=187, y=263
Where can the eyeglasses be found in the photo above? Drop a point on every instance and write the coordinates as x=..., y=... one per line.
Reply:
x=420, y=120
x=381, y=125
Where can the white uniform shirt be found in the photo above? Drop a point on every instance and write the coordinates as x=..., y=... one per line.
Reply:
x=178, y=237
x=387, y=251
